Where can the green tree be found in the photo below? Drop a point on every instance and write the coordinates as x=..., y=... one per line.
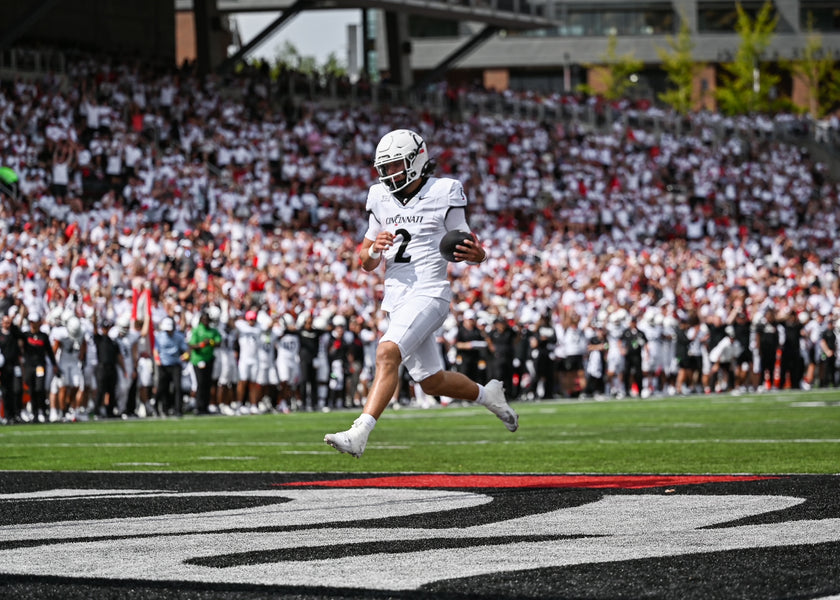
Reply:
x=308, y=65
x=678, y=64
x=615, y=73
x=333, y=67
x=288, y=56
x=816, y=69
x=746, y=83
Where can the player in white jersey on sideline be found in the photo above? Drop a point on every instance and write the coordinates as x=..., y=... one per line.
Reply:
x=615, y=360
x=69, y=347
x=249, y=335
x=145, y=369
x=91, y=360
x=410, y=211
x=225, y=369
x=127, y=343
x=266, y=365
x=288, y=365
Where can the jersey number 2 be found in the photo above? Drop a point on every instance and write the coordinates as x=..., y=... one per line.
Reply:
x=401, y=256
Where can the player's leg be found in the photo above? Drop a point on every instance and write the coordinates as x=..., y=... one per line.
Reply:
x=410, y=338
x=410, y=323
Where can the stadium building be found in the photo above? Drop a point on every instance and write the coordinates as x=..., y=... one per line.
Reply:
x=546, y=45
x=539, y=45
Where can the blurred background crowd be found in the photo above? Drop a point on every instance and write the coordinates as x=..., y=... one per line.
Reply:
x=174, y=243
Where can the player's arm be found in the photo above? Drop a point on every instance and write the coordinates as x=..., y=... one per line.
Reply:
x=51, y=355
x=472, y=250
x=376, y=241
x=368, y=255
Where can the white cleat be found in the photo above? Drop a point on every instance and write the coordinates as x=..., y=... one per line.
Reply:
x=494, y=400
x=352, y=441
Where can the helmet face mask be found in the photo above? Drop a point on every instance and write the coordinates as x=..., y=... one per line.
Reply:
x=401, y=159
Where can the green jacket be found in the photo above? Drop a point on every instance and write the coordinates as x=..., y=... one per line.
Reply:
x=203, y=342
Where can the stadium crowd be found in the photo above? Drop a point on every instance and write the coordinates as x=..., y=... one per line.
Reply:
x=175, y=243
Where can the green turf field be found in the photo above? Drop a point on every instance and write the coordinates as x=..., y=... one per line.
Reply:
x=768, y=433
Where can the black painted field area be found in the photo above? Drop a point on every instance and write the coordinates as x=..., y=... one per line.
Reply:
x=330, y=535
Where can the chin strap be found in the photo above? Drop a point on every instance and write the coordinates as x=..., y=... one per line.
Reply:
x=404, y=199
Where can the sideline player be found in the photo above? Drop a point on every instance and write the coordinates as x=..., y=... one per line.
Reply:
x=69, y=347
x=410, y=211
x=248, y=335
x=288, y=365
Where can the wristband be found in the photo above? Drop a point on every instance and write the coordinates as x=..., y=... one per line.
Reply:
x=373, y=254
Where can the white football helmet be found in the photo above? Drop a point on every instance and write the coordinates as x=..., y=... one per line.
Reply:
x=124, y=323
x=406, y=148
x=214, y=313
x=264, y=320
x=74, y=327
x=54, y=317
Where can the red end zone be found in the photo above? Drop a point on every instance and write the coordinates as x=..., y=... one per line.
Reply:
x=629, y=482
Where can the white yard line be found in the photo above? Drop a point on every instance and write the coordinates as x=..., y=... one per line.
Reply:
x=567, y=441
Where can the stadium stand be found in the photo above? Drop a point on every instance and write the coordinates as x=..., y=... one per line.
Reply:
x=143, y=193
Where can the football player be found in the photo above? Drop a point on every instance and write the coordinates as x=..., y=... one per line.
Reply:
x=69, y=347
x=410, y=211
x=249, y=335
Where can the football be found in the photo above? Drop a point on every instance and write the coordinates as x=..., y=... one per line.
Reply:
x=450, y=240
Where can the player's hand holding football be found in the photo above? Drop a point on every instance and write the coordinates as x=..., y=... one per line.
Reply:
x=470, y=250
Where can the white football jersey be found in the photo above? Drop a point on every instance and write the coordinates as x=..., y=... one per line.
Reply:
x=249, y=340
x=68, y=347
x=288, y=348
x=126, y=344
x=414, y=265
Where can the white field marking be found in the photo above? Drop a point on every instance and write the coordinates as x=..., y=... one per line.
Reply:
x=49, y=432
x=221, y=444
x=307, y=452
x=64, y=493
x=140, y=464
x=70, y=431
x=555, y=405
x=293, y=507
x=709, y=441
x=611, y=529
x=158, y=444
x=426, y=414
x=573, y=441
x=227, y=458
x=583, y=440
